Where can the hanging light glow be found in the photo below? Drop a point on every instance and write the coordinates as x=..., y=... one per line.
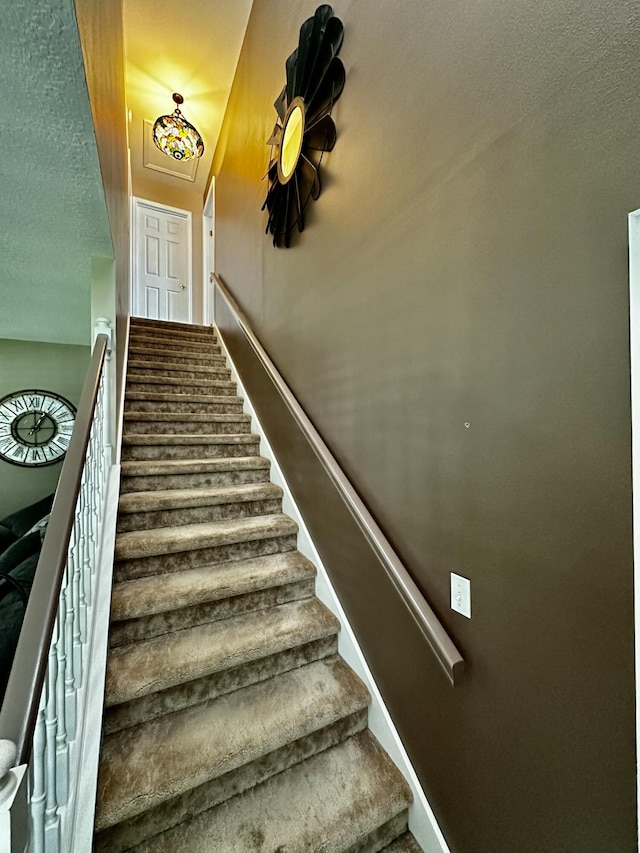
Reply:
x=174, y=136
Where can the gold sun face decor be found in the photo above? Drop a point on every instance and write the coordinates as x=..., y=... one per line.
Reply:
x=304, y=129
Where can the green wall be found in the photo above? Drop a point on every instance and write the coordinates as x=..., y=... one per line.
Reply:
x=59, y=368
x=455, y=322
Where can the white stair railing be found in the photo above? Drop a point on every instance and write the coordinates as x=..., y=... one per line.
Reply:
x=44, y=709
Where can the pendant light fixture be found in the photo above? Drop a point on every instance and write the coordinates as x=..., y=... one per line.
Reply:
x=174, y=136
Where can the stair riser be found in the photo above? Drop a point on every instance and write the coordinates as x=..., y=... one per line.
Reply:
x=163, y=357
x=141, y=453
x=173, y=336
x=202, y=346
x=169, y=326
x=383, y=836
x=152, y=482
x=179, y=386
x=147, y=372
x=149, y=426
x=147, y=367
x=195, y=514
x=134, y=630
x=164, y=563
x=170, y=814
x=231, y=407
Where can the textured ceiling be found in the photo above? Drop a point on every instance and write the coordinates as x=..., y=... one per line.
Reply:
x=192, y=48
x=53, y=215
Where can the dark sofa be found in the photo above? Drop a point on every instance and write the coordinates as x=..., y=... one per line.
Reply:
x=20, y=547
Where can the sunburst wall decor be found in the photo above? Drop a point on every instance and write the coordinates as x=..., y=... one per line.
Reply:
x=304, y=129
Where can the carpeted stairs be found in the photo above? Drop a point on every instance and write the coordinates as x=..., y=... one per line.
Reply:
x=231, y=723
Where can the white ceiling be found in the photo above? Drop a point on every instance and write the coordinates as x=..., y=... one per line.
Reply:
x=191, y=47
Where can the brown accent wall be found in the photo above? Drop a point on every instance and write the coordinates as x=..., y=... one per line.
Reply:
x=101, y=35
x=466, y=263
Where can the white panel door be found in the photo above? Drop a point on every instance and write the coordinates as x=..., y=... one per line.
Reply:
x=162, y=254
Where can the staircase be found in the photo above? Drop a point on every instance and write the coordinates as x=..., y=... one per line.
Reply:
x=231, y=723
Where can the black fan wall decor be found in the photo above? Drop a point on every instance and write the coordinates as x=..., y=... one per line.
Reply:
x=304, y=129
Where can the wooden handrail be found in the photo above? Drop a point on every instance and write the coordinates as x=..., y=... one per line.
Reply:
x=20, y=706
x=434, y=632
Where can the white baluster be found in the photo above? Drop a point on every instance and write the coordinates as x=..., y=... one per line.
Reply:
x=62, y=748
x=74, y=578
x=51, y=818
x=83, y=551
x=69, y=682
x=38, y=792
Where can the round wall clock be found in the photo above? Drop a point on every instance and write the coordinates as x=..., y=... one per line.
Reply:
x=304, y=129
x=35, y=427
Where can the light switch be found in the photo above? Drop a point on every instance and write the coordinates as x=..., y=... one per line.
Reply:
x=461, y=595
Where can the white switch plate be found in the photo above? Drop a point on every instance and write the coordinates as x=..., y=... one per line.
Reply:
x=461, y=595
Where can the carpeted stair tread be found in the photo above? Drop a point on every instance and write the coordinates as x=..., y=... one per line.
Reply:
x=141, y=366
x=167, y=325
x=134, y=380
x=405, y=844
x=186, y=417
x=168, y=507
x=153, y=446
x=153, y=439
x=329, y=803
x=154, y=467
x=178, y=498
x=157, y=594
x=149, y=666
x=145, y=766
x=174, y=343
x=193, y=537
x=162, y=352
x=169, y=397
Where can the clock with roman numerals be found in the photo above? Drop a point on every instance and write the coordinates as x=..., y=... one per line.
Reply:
x=35, y=427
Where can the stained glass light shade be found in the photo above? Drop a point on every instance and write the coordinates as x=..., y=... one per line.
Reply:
x=304, y=128
x=175, y=136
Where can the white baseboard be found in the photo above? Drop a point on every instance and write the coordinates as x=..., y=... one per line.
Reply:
x=422, y=820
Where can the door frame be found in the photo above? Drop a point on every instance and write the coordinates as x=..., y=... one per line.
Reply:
x=136, y=204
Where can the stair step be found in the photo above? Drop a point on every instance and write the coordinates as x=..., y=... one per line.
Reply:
x=169, y=385
x=219, y=405
x=136, y=670
x=128, y=834
x=148, y=447
x=148, y=596
x=147, y=475
x=332, y=802
x=174, y=549
x=144, y=367
x=143, y=767
x=192, y=537
x=208, y=359
x=171, y=507
x=155, y=705
x=221, y=388
x=171, y=342
x=198, y=424
x=149, y=607
x=170, y=325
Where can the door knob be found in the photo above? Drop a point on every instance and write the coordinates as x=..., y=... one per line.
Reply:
x=183, y=287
